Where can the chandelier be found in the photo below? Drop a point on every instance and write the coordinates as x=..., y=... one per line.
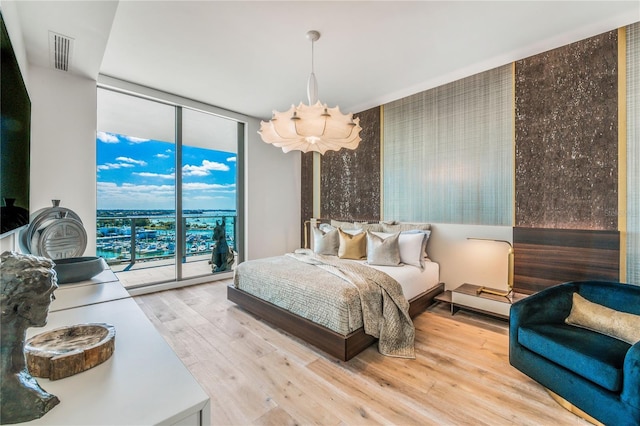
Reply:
x=313, y=127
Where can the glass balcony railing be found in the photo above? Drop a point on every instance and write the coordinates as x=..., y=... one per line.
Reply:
x=124, y=240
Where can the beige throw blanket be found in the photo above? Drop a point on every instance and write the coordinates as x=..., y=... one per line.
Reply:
x=385, y=310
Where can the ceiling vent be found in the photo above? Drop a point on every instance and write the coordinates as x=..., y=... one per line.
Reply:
x=60, y=51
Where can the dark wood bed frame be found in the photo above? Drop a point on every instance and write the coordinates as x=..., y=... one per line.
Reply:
x=335, y=344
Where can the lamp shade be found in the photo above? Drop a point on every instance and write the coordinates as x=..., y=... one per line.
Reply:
x=311, y=128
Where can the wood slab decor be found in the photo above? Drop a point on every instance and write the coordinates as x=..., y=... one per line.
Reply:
x=66, y=351
x=546, y=257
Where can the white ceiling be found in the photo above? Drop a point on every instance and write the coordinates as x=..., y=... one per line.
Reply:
x=253, y=57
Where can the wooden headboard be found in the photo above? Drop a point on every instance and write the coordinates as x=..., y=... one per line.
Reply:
x=546, y=257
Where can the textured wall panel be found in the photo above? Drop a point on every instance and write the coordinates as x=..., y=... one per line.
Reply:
x=448, y=152
x=350, y=180
x=567, y=136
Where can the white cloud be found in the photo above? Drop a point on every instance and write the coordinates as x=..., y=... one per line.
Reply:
x=133, y=139
x=156, y=175
x=112, y=195
x=205, y=169
x=131, y=161
x=111, y=166
x=199, y=186
x=147, y=197
x=107, y=137
x=162, y=155
x=232, y=159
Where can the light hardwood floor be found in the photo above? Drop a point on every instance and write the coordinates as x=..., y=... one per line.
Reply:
x=257, y=375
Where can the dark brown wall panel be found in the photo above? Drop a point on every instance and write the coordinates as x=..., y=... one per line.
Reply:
x=567, y=136
x=350, y=180
x=546, y=257
x=306, y=192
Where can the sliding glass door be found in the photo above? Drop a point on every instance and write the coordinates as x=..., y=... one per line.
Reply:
x=208, y=182
x=166, y=195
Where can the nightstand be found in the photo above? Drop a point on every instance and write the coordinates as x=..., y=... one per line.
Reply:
x=467, y=297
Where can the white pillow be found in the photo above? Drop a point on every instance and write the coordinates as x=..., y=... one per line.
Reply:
x=325, y=227
x=426, y=233
x=412, y=247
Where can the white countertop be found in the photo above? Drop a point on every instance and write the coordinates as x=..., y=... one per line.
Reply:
x=143, y=383
x=101, y=288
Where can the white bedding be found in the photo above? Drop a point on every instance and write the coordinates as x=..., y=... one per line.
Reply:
x=412, y=279
x=322, y=297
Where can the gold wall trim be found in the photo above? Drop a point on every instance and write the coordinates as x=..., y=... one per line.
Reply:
x=513, y=141
x=622, y=149
x=381, y=162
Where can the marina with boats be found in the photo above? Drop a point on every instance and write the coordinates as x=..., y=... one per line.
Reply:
x=126, y=237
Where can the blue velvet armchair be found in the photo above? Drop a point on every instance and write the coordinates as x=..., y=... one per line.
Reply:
x=596, y=373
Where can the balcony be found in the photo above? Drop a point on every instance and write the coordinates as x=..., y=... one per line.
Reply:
x=142, y=248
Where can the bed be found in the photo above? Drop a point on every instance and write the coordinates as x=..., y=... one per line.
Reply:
x=315, y=304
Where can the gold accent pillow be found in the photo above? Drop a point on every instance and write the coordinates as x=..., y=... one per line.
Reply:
x=592, y=316
x=352, y=246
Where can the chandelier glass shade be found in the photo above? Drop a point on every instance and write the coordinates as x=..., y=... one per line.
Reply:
x=313, y=127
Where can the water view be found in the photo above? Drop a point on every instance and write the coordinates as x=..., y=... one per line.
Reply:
x=153, y=234
x=136, y=196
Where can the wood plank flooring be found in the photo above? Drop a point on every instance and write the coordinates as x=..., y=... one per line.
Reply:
x=257, y=375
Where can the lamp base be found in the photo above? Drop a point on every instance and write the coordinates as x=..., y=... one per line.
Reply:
x=488, y=290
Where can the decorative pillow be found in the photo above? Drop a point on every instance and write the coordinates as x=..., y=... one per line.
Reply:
x=343, y=225
x=426, y=234
x=592, y=316
x=352, y=246
x=325, y=227
x=413, y=248
x=326, y=242
x=383, y=251
x=373, y=227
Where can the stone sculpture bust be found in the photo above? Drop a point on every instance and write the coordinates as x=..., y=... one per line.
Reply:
x=27, y=284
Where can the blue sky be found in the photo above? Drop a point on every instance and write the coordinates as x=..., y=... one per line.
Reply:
x=139, y=174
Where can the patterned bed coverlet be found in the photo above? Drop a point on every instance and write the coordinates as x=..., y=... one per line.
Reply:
x=334, y=293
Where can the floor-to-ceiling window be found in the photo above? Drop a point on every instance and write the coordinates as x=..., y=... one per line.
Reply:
x=167, y=192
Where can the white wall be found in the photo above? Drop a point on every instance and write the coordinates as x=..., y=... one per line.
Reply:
x=12, y=22
x=272, y=198
x=466, y=261
x=63, y=145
